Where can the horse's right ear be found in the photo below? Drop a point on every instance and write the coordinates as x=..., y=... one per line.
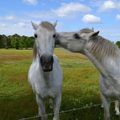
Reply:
x=94, y=34
x=35, y=26
x=55, y=24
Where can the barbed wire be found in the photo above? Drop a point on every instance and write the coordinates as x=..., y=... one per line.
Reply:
x=91, y=105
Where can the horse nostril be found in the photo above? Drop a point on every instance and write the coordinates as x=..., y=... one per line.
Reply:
x=41, y=59
x=51, y=59
x=46, y=62
x=46, y=59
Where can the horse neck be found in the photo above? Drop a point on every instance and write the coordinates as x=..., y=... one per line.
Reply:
x=109, y=78
x=96, y=63
x=102, y=48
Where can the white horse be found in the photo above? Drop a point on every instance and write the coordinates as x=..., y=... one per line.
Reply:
x=106, y=58
x=45, y=75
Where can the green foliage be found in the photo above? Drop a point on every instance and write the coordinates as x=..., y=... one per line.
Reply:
x=16, y=41
x=118, y=43
x=3, y=41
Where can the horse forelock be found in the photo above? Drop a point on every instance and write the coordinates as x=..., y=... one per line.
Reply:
x=102, y=48
x=86, y=30
x=48, y=26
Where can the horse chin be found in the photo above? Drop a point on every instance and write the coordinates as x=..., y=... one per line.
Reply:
x=47, y=69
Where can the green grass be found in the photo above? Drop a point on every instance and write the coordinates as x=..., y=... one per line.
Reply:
x=80, y=86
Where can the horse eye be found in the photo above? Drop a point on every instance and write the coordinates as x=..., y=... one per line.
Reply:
x=54, y=35
x=76, y=36
x=35, y=35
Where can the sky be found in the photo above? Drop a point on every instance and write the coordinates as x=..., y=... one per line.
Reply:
x=71, y=15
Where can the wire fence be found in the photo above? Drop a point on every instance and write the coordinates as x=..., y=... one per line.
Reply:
x=87, y=106
x=3, y=95
x=91, y=105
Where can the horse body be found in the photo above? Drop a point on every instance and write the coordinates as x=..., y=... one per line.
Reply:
x=110, y=83
x=45, y=74
x=112, y=66
x=104, y=55
x=110, y=62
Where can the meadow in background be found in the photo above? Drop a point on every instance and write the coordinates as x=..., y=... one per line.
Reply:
x=80, y=86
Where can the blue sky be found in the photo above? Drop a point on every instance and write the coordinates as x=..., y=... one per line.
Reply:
x=72, y=15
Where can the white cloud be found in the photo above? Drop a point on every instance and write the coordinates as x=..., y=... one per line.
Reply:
x=10, y=17
x=70, y=8
x=32, y=2
x=109, y=4
x=21, y=24
x=89, y=18
x=42, y=15
x=16, y=28
x=111, y=32
x=118, y=16
x=3, y=25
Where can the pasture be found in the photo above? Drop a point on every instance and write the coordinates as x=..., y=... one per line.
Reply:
x=80, y=86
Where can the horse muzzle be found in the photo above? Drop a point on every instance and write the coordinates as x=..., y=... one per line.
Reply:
x=46, y=62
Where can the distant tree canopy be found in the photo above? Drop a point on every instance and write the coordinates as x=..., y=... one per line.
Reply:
x=118, y=43
x=16, y=41
x=21, y=42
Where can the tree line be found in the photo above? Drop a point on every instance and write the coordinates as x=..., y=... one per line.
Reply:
x=21, y=42
x=16, y=41
x=118, y=43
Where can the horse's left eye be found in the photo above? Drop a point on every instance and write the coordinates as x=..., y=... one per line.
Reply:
x=54, y=35
x=76, y=36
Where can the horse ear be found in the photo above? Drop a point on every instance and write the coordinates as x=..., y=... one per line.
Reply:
x=35, y=26
x=94, y=34
x=55, y=24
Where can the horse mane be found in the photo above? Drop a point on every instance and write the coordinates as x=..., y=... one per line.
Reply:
x=34, y=51
x=48, y=25
x=101, y=47
x=86, y=30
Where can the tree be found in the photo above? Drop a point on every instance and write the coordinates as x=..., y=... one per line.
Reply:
x=16, y=41
x=118, y=43
x=30, y=42
x=1, y=41
x=21, y=43
x=9, y=42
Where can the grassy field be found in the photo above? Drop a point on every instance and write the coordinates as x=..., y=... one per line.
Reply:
x=80, y=86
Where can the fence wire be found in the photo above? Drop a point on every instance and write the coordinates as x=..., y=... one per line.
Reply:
x=91, y=105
